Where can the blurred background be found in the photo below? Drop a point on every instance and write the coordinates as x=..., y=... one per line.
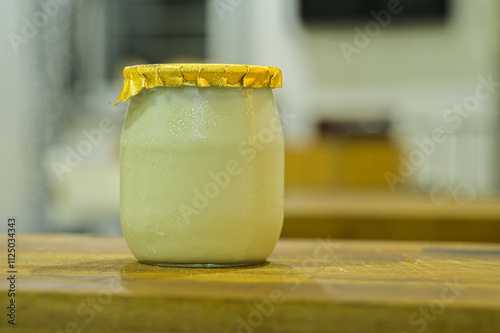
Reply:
x=390, y=108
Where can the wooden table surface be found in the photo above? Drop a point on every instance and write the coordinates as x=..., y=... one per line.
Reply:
x=76, y=283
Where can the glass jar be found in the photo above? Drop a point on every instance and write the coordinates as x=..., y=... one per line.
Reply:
x=201, y=164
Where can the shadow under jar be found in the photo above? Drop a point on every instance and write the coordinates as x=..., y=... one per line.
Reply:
x=201, y=164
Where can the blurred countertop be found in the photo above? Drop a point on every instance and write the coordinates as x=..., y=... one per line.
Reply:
x=377, y=214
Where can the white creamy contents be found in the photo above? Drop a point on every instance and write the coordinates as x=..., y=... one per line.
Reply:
x=202, y=175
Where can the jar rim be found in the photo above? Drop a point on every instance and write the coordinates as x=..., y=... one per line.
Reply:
x=198, y=75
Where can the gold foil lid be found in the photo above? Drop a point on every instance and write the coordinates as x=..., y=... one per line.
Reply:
x=199, y=75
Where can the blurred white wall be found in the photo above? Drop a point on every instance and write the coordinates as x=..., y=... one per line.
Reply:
x=21, y=192
x=411, y=74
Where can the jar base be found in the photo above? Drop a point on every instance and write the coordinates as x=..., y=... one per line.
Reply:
x=192, y=265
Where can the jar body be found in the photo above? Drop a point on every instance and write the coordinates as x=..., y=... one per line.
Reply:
x=201, y=176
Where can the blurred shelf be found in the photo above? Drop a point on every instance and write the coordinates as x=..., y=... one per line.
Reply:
x=384, y=215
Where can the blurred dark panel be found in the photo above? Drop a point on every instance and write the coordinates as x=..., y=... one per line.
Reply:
x=156, y=49
x=335, y=10
x=156, y=30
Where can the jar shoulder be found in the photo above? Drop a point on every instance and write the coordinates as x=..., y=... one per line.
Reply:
x=186, y=115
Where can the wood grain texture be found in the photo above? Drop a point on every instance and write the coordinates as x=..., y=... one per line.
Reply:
x=74, y=283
